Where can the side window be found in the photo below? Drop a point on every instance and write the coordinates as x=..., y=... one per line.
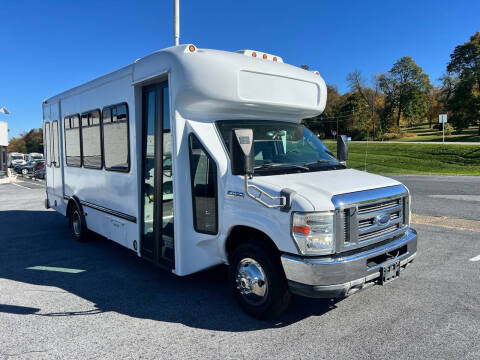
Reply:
x=56, y=154
x=91, y=143
x=73, y=153
x=115, y=138
x=46, y=132
x=203, y=174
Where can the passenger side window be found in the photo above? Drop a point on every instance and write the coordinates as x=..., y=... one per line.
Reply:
x=91, y=145
x=73, y=152
x=115, y=138
x=203, y=174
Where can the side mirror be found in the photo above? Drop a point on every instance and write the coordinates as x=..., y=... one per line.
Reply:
x=342, y=148
x=241, y=151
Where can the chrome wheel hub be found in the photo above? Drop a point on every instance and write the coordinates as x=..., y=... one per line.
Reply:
x=251, y=281
x=76, y=223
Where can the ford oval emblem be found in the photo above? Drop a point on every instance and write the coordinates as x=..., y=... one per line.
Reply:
x=382, y=219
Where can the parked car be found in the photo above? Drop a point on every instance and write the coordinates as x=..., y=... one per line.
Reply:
x=39, y=171
x=27, y=168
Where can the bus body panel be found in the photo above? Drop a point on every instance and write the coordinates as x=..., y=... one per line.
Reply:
x=195, y=105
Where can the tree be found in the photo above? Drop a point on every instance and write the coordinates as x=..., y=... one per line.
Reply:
x=464, y=103
x=369, y=95
x=28, y=142
x=406, y=87
x=34, y=140
x=17, y=145
x=435, y=104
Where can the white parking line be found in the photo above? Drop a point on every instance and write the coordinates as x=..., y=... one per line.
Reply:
x=476, y=258
x=21, y=186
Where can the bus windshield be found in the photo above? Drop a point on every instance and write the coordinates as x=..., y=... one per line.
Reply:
x=17, y=157
x=283, y=146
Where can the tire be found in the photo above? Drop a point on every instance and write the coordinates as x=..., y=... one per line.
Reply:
x=77, y=224
x=24, y=172
x=264, y=299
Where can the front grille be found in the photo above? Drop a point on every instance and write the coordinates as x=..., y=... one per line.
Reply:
x=370, y=221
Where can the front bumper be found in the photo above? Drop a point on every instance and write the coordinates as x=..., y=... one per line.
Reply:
x=336, y=277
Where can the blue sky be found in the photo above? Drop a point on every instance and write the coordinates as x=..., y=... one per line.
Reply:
x=50, y=46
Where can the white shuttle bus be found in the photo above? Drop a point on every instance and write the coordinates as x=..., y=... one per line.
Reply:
x=194, y=157
x=15, y=158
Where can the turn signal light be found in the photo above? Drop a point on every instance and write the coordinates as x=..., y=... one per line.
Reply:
x=305, y=230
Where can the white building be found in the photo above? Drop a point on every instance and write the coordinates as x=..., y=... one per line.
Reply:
x=3, y=145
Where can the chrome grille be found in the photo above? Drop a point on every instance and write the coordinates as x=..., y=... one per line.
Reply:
x=372, y=218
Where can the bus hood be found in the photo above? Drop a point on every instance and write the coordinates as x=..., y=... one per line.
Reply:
x=318, y=187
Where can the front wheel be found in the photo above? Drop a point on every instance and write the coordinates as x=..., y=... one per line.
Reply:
x=258, y=281
x=24, y=171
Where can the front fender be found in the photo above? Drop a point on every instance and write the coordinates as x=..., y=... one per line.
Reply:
x=276, y=227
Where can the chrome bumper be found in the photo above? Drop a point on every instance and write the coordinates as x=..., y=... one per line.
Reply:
x=333, y=277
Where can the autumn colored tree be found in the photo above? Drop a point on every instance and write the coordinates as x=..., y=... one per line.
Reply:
x=17, y=145
x=31, y=141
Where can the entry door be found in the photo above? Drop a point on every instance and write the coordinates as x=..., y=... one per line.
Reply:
x=157, y=185
x=53, y=170
x=55, y=127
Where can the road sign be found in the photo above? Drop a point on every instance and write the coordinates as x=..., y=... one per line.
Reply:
x=442, y=119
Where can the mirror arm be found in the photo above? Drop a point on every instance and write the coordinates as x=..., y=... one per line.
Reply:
x=283, y=200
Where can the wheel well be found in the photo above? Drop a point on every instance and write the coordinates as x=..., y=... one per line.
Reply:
x=241, y=234
x=71, y=204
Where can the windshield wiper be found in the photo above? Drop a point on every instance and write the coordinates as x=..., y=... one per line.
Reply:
x=283, y=165
x=321, y=161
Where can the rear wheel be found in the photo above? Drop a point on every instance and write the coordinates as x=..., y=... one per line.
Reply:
x=258, y=281
x=77, y=224
x=24, y=171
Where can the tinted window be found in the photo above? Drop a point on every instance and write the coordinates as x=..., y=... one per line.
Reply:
x=73, y=152
x=203, y=174
x=115, y=138
x=91, y=146
x=46, y=132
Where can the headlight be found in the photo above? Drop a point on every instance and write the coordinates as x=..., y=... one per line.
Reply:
x=314, y=232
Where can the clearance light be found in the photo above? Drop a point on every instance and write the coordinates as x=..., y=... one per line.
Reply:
x=191, y=48
x=261, y=54
x=316, y=73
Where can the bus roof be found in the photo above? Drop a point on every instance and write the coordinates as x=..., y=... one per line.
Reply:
x=218, y=84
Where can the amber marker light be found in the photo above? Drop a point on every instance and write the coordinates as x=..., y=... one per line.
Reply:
x=191, y=48
x=304, y=230
x=265, y=56
x=254, y=54
x=275, y=59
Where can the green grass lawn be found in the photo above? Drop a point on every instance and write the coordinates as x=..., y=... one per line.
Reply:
x=424, y=133
x=431, y=159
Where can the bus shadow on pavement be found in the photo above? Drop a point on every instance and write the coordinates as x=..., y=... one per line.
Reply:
x=115, y=279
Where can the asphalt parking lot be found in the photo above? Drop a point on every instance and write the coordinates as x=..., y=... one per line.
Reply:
x=109, y=304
